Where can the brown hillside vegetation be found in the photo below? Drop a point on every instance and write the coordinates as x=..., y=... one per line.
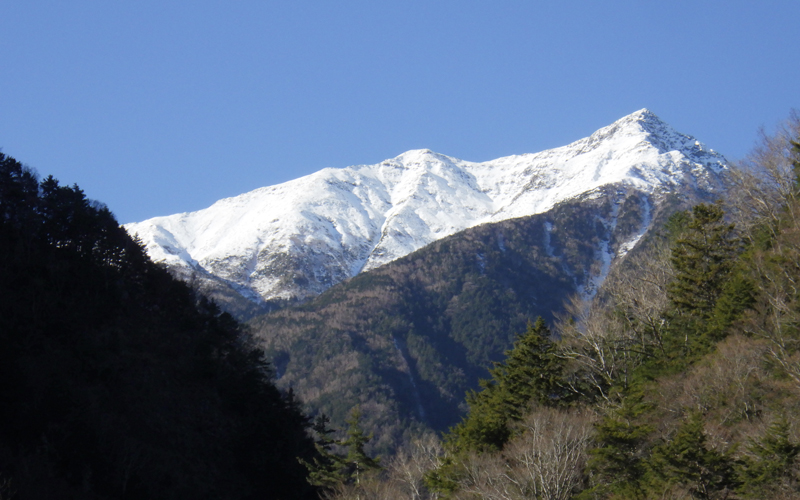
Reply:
x=681, y=380
x=406, y=341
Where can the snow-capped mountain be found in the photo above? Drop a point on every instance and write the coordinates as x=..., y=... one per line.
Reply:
x=296, y=239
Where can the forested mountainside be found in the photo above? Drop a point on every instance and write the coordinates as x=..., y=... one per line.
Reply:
x=407, y=340
x=680, y=380
x=665, y=364
x=119, y=381
x=285, y=244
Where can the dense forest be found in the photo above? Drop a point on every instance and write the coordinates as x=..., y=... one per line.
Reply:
x=680, y=380
x=118, y=381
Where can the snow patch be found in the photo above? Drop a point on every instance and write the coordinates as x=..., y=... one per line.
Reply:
x=647, y=219
x=604, y=255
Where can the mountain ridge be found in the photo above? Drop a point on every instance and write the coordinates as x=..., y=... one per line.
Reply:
x=294, y=240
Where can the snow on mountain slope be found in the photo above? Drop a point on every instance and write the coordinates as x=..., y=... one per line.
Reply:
x=296, y=239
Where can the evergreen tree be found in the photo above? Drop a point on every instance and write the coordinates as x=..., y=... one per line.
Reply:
x=119, y=381
x=685, y=460
x=331, y=469
x=618, y=461
x=486, y=425
x=703, y=257
x=771, y=463
x=326, y=470
x=737, y=296
x=357, y=462
x=529, y=374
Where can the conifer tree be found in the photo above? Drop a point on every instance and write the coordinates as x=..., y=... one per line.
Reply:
x=332, y=469
x=136, y=385
x=357, y=462
x=326, y=470
x=771, y=461
x=703, y=257
x=685, y=460
x=618, y=460
x=531, y=371
x=529, y=374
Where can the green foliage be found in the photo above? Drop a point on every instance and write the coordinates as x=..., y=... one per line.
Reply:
x=325, y=470
x=531, y=371
x=618, y=460
x=676, y=225
x=714, y=288
x=486, y=425
x=770, y=462
x=529, y=375
x=730, y=360
x=703, y=257
x=642, y=450
x=357, y=462
x=331, y=469
x=728, y=311
x=736, y=296
x=686, y=460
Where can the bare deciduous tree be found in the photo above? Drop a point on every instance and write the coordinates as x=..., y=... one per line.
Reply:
x=597, y=344
x=487, y=477
x=546, y=460
x=776, y=316
x=605, y=341
x=640, y=293
x=764, y=183
x=402, y=479
x=727, y=383
x=409, y=466
x=549, y=457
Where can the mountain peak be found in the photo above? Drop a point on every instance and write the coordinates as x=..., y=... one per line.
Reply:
x=642, y=114
x=644, y=125
x=644, y=120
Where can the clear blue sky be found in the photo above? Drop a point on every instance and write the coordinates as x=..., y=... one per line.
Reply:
x=159, y=107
